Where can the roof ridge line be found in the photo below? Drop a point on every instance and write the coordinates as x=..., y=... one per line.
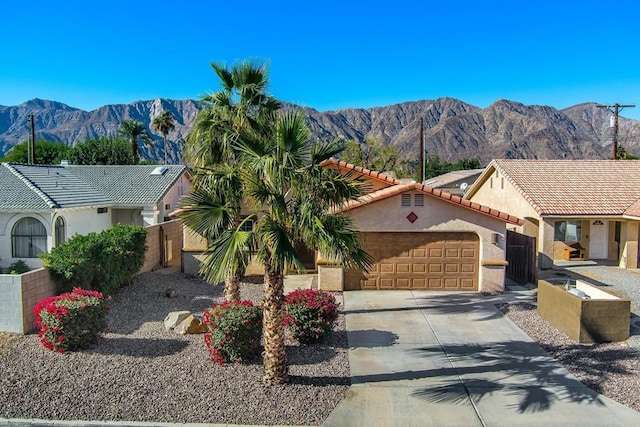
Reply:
x=32, y=186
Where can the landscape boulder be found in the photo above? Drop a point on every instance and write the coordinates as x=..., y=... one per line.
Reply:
x=193, y=324
x=174, y=318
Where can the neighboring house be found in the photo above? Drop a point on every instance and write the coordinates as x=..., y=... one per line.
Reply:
x=419, y=237
x=592, y=206
x=455, y=182
x=42, y=206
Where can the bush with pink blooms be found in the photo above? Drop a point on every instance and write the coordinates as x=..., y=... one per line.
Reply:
x=71, y=321
x=310, y=315
x=234, y=333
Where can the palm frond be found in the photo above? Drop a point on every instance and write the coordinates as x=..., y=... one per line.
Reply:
x=227, y=254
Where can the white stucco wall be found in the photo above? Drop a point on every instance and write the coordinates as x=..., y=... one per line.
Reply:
x=439, y=215
x=78, y=221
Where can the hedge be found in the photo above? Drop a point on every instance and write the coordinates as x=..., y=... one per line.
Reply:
x=98, y=261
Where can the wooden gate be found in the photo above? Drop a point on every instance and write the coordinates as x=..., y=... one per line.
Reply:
x=521, y=255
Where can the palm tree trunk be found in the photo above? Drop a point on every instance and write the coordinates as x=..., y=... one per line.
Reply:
x=164, y=136
x=274, y=356
x=232, y=288
x=134, y=147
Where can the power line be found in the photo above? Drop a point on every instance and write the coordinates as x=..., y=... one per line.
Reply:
x=616, y=109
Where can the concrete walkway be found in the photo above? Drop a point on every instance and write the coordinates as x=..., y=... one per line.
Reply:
x=452, y=359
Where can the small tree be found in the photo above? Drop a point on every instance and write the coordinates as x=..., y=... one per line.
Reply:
x=47, y=153
x=372, y=154
x=163, y=123
x=135, y=130
x=102, y=151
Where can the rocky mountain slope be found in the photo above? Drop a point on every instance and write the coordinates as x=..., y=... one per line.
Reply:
x=452, y=128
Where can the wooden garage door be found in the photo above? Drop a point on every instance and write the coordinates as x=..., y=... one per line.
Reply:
x=437, y=261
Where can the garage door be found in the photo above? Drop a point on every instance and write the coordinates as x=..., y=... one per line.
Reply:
x=432, y=261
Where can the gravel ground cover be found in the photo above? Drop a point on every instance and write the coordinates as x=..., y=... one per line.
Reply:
x=141, y=372
x=612, y=369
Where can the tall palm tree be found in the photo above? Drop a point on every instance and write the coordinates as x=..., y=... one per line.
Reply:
x=214, y=205
x=163, y=123
x=135, y=130
x=282, y=176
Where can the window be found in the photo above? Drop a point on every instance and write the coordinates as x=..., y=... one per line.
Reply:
x=406, y=200
x=247, y=225
x=418, y=200
x=61, y=232
x=29, y=238
x=103, y=210
x=567, y=231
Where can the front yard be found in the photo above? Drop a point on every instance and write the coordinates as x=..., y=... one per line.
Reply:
x=141, y=372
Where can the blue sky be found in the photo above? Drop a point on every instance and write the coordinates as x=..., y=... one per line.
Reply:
x=325, y=55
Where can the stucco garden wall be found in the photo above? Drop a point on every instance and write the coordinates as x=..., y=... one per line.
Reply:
x=19, y=294
x=602, y=317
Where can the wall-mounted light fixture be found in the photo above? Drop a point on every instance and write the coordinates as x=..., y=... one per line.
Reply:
x=495, y=238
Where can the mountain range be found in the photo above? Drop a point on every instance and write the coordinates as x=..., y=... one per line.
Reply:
x=453, y=129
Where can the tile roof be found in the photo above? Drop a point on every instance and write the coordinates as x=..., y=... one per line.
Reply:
x=576, y=187
x=44, y=187
x=436, y=193
x=130, y=185
x=55, y=186
x=17, y=195
x=350, y=168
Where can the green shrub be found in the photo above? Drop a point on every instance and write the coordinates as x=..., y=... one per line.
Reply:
x=234, y=333
x=310, y=315
x=71, y=321
x=102, y=262
x=18, y=267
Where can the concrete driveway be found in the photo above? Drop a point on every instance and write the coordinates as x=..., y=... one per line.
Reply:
x=452, y=359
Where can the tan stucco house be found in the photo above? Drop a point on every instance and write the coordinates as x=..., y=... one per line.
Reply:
x=425, y=238
x=585, y=209
x=419, y=237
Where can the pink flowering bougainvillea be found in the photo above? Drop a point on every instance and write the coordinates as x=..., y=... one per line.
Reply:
x=71, y=321
x=234, y=333
x=310, y=315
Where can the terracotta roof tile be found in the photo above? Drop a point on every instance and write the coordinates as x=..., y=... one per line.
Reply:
x=634, y=210
x=575, y=187
x=385, y=193
x=347, y=167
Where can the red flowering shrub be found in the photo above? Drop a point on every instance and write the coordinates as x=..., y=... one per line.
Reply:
x=71, y=321
x=234, y=333
x=310, y=315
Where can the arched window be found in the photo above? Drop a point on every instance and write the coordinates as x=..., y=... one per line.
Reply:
x=61, y=233
x=29, y=238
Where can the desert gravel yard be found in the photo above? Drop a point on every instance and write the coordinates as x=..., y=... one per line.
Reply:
x=141, y=372
x=612, y=369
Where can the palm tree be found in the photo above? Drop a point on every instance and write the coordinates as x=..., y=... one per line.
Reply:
x=135, y=130
x=283, y=175
x=214, y=205
x=163, y=123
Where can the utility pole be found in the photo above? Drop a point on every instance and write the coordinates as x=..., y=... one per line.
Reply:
x=32, y=146
x=421, y=150
x=615, y=109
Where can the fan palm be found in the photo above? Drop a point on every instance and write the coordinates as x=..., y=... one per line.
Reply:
x=163, y=123
x=215, y=202
x=135, y=130
x=283, y=176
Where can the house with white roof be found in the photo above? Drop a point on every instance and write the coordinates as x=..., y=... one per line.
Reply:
x=41, y=206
